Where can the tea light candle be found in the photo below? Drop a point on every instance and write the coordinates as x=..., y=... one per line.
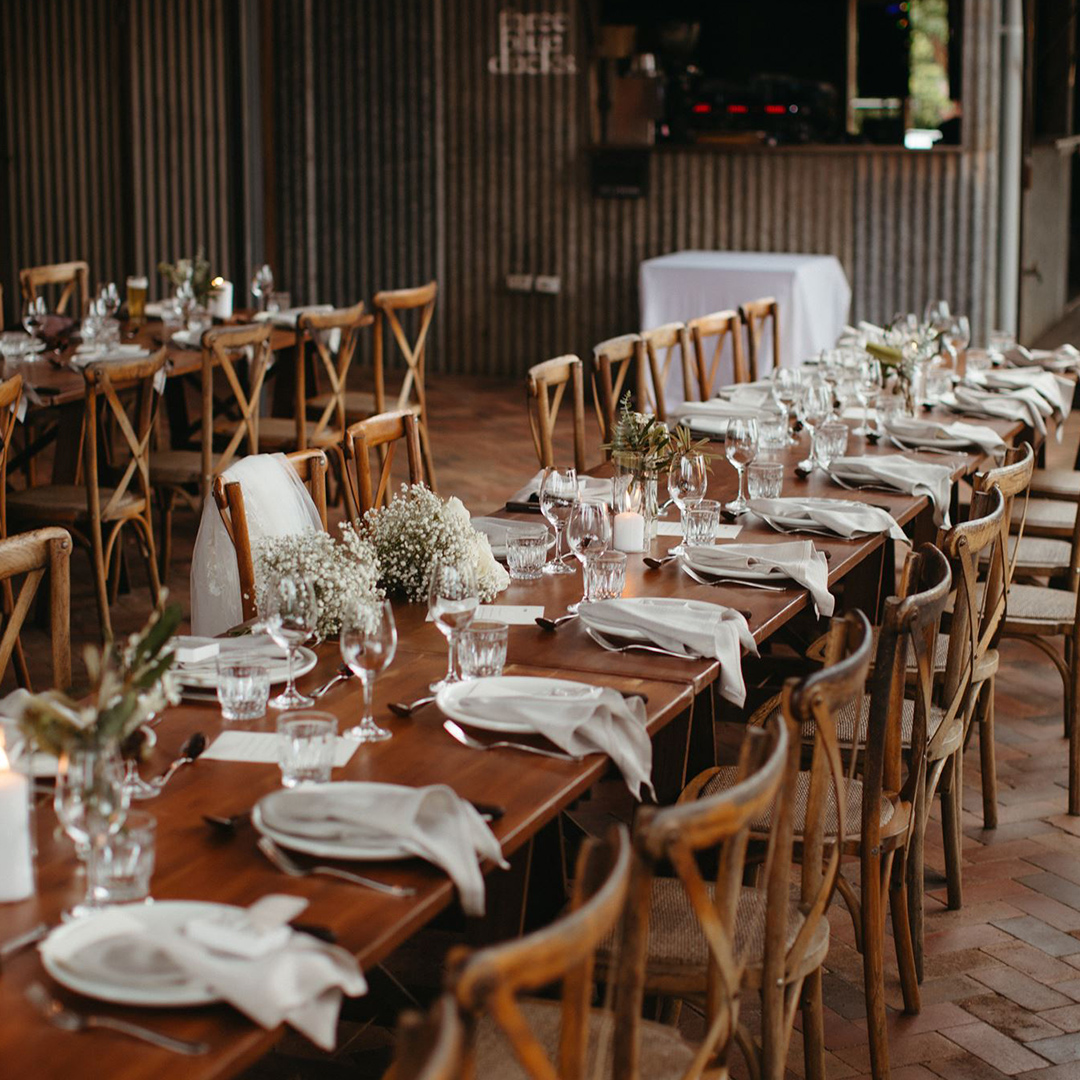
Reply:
x=221, y=299
x=16, y=865
x=629, y=532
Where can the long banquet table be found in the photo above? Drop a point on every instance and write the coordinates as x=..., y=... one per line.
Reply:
x=195, y=862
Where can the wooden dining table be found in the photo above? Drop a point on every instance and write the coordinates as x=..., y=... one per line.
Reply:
x=195, y=861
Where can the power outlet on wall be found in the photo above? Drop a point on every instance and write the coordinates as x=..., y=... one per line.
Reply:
x=548, y=284
x=519, y=283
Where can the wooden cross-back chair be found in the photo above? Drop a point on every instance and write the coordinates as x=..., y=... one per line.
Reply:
x=664, y=346
x=125, y=395
x=389, y=304
x=546, y=385
x=754, y=315
x=381, y=433
x=73, y=277
x=311, y=466
x=319, y=420
x=612, y=363
x=709, y=334
x=10, y=396
x=34, y=554
x=229, y=425
x=431, y=1046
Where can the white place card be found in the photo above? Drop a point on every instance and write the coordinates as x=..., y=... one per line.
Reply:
x=261, y=748
x=511, y=614
x=674, y=528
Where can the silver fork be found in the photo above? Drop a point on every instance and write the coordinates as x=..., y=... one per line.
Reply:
x=287, y=865
x=702, y=580
x=455, y=732
x=67, y=1019
x=605, y=643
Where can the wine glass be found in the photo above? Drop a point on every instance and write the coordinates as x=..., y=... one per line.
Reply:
x=740, y=445
x=34, y=313
x=589, y=533
x=290, y=613
x=786, y=384
x=453, y=598
x=558, y=496
x=958, y=335
x=813, y=408
x=688, y=479
x=869, y=386
x=936, y=315
x=262, y=285
x=109, y=296
x=368, y=644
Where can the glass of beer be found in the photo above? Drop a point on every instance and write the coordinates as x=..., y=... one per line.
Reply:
x=136, y=298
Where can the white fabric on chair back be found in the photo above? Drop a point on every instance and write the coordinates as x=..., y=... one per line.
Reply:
x=276, y=504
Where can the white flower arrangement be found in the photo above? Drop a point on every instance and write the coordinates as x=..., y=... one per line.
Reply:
x=419, y=529
x=344, y=572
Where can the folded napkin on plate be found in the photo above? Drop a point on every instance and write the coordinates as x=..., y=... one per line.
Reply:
x=1063, y=358
x=257, y=646
x=1056, y=391
x=799, y=560
x=595, y=719
x=755, y=395
x=432, y=823
x=289, y=316
x=85, y=355
x=695, y=627
x=903, y=474
x=712, y=416
x=296, y=979
x=589, y=487
x=498, y=529
x=840, y=517
x=1025, y=405
x=920, y=432
x=186, y=339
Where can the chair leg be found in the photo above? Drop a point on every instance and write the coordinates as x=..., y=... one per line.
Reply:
x=166, y=502
x=429, y=460
x=146, y=527
x=913, y=871
x=874, y=965
x=952, y=801
x=984, y=713
x=905, y=951
x=101, y=588
x=1072, y=697
x=813, y=1027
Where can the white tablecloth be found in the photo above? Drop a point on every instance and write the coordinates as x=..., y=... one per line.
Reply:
x=812, y=291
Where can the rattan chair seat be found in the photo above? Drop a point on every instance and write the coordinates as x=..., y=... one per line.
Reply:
x=1064, y=482
x=1045, y=515
x=1038, y=604
x=67, y=502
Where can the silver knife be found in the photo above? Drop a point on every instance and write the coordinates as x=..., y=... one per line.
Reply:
x=22, y=941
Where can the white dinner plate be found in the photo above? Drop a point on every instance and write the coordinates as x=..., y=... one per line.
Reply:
x=203, y=675
x=334, y=849
x=497, y=531
x=449, y=699
x=165, y=987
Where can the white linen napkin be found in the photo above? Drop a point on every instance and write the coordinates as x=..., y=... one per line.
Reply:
x=298, y=980
x=589, y=487
x=754, y=395
x=1064, y=358
x=1025, y=405
x=257, y=646
x=712, y=416
x=841, y=517
x=695, y=627
x=432, y=823
x=498, y=529
x=919, y=432
x=1056, y=391
x=289, y=317
x=798, y=560
x=903, y=474
x=186, y=339
x=85, y=355
x=596, y=719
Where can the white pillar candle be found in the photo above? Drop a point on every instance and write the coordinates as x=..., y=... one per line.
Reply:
x=629, y=532
x=16, y=864
x=221, y=299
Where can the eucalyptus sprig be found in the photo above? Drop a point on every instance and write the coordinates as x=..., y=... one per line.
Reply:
x=639, y=437
x=194, y=271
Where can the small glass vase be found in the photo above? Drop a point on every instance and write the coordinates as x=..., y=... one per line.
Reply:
x=636, y=485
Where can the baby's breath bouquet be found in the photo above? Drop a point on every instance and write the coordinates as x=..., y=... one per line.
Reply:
x=419, y=529
x=344, y=572
x=128, y=686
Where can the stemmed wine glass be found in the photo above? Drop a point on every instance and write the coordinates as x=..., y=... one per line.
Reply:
x=368, y=644
x=589, y=533
x=558, y=496
x=262, y=285
x=34, y=315
x=814, y=407
x=109, y=296
x=453, y=598
x=936, y=315
x=290, y=613
x=870, y=384
x=688, y=480
x=786, y=384
x=740, y=446
x=958, y=334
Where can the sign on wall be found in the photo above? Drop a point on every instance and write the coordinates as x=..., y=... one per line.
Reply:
x=533, y=43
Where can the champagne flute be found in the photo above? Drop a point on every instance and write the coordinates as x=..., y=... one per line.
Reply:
x=814, y=407
x=34, y=314
x=786, y=384
x=453, y=598
x=368, y=644
x=688, y=480
x=290, y=612
x=740, y=445
x=589, y=533
x=870, y=384
x=558, y=496
x=262, y=285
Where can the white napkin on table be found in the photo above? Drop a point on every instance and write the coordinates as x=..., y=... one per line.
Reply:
x=1063, y=358
x=798, y=560
x=695, y=627
x=432, y=823
x=289, y=317
x=595, y=719
x=296, y=980
x=85, y=355
x=920, y=432
x=903, y=474
x=1025, y=405
x=754, y=395
x=186, y=339
x=589, y=487
x=497, y=530
x=712, y=416
x=1056, y=391
x=841, y=517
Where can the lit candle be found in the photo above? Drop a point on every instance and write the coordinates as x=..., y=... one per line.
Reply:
x=16, y=866
x=221, y=298
x=629, y=532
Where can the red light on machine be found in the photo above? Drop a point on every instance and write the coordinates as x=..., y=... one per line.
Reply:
x=738, y=108
x=702, y=107
x=776, y=110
